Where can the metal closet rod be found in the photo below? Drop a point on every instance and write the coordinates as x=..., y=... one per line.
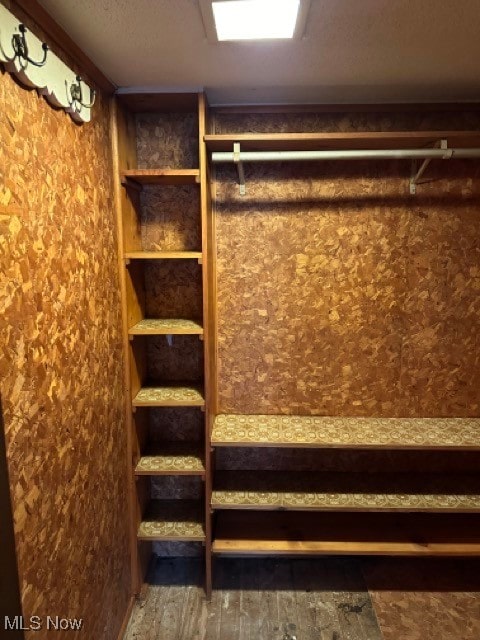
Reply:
x=357, y=154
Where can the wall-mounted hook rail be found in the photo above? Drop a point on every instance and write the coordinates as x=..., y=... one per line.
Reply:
x=77, y=94
x=20, y=47
x=36, y=66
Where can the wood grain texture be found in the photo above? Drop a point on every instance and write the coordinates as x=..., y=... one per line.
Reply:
x=343, y=121
x=425, y=598
x=167, y=140
x=173, y=289
x=181, y=359
x=171, y=218
x=170, y=423
x=267, y=599
x=61, y=363
x=340, y=294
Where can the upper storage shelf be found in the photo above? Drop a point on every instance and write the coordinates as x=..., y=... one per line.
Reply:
x=320, y=141
x=140, y=177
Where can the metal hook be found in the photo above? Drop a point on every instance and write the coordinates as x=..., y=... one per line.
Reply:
x=77, y=94
x=20, y=46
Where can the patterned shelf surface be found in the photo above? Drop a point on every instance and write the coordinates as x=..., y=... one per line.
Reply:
x=172, y=458
x=171, y=396
x=367, y=433
x=346, y=491
x=180, y=520
x=166, y=327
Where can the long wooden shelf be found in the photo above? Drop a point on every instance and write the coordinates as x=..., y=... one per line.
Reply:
x=284, y=533
x=335, y=140
x=163, y=255
x=272, y=490
x=172, y=459
x=160, y=176
x=347, y=433
x=174, y=520
x=169, y=396
x=166, y=326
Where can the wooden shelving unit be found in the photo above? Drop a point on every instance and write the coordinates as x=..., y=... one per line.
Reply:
x=183, y=519
x=257, y=511
x=305, y=513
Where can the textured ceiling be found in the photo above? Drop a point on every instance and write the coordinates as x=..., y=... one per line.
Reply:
x=353, y=51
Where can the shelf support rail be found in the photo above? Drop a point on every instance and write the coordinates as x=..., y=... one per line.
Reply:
x=237, y=160
x=417, y=174
x=442, y=152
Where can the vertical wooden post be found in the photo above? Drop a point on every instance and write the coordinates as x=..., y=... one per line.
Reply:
x=209, y=314
x=129, y=239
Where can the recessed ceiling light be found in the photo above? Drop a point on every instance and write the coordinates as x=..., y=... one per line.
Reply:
x=253, y=19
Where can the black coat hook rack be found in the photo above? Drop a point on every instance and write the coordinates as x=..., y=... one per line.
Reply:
x=77, y=94
x=20, y=47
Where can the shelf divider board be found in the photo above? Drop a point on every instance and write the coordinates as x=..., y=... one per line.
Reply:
x=335, y=140
x=285, y=533
x=172, y=520
x=346, y=433
x=166, y=326
x=160, y=176
x=307, y=491
x=169, y=396
x=172, y=459
x=163, y=255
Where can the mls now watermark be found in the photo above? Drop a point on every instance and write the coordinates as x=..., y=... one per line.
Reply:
x=37, y=623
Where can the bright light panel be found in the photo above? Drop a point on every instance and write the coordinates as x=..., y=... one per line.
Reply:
x=255, y=19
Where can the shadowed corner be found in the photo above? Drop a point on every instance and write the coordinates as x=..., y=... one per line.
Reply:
x=10, y=603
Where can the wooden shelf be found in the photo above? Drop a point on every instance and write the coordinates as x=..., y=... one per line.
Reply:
x=272, y=490
x=172, y=459
x=166, y=326
x=319, y=141
x=346, y=433
x=175, y=520
x=160, y=176
x=163, y=255
x=346, y=534
x=169, y=396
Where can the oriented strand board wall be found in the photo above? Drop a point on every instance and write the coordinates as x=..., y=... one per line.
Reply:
x=61, y=363
x=341, y=294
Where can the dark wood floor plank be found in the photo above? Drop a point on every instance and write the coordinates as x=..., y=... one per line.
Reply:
x=256, y=599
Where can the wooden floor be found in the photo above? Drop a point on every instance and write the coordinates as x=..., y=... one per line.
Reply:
x=256, y=599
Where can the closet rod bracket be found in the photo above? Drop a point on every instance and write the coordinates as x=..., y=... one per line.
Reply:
x=239, y=165
x=418, y=171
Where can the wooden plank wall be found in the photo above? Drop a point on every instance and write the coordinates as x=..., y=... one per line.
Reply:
x=61, y=363
x=338, y=292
